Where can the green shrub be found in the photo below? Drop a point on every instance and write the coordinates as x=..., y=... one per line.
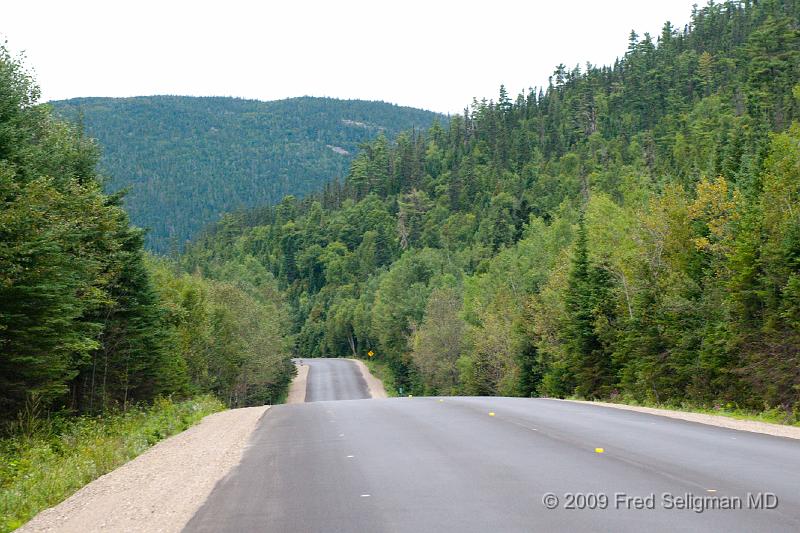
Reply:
x=48, y=459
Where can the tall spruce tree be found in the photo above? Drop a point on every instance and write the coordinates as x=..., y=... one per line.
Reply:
x=586, y=300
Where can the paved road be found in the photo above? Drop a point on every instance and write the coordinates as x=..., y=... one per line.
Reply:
x=421, y=464
x=334, y=379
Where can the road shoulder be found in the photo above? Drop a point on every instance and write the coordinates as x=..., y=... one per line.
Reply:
x=375, y=386
x=161, y=489
x=792, y=432
x=297, y=390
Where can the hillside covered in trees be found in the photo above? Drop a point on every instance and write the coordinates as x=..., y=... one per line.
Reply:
x=630, y=231
x=88, y=322
x=186, y=160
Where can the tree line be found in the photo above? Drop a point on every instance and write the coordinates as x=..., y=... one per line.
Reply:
x=90, y=322
x=628, y=231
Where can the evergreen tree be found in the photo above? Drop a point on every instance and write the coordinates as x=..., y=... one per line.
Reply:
x=586, y=304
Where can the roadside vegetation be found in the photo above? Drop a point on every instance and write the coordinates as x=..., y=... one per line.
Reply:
x=382, y=371
x=774, y=415
x=628, y=231
x=95, y=332
x=49, y=458
x=89, y=322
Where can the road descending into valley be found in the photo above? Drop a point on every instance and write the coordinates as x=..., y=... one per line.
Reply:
x=334, y=379
x=342, y=463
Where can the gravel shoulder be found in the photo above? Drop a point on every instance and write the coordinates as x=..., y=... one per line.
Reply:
x=374, y=385
x=297, y=390
x=792, y=432
x=161, y=489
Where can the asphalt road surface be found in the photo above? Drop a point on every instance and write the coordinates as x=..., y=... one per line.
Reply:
x=442, y=465
x=334, y=379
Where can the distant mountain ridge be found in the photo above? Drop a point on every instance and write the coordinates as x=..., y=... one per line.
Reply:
x=185, y=160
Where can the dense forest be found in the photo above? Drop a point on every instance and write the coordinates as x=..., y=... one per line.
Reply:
x=90, y=323
x=628, y=232
x=631, y=231
x=187, y=160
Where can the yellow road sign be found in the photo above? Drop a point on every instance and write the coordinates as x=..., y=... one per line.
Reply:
x=370, y=353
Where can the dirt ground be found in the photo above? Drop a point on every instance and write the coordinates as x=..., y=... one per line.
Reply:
x=161, y=489
x=374, y=384
x=297, y=390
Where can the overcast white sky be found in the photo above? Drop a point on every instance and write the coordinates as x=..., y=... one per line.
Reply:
x=431, y=54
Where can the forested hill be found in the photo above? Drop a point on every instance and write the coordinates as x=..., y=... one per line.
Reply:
x=90, y=323
x=629, y=231
x=186, y=160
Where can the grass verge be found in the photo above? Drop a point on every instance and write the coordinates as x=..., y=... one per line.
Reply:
x=382, y=372
x=51, y=459
x=771, y=416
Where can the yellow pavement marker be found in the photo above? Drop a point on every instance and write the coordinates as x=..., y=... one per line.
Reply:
x=491, y=413
x=599, y=450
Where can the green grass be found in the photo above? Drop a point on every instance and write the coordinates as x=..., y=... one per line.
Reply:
x=772, y=416
x=49, y=459
x=381, y=371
